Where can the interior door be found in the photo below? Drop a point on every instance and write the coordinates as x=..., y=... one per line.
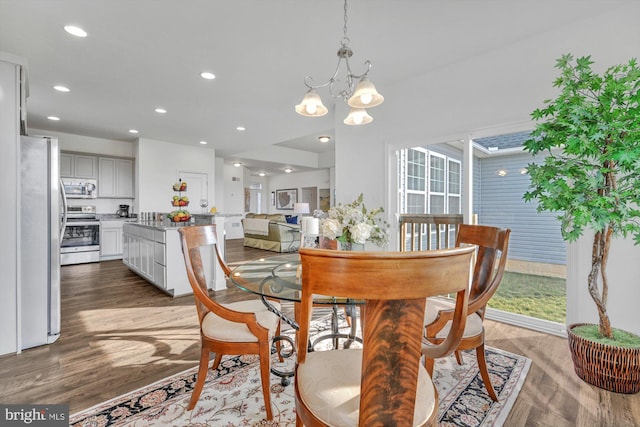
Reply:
x=197, y=190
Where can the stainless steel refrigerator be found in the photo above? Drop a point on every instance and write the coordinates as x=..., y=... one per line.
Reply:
x=40, y=233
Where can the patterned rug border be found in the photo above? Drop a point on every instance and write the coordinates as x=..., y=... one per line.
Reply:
x=499, y=411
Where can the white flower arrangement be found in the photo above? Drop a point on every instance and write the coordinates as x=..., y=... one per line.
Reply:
x=352, y=223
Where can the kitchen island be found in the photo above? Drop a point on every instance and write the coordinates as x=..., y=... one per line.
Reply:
x=152, y=250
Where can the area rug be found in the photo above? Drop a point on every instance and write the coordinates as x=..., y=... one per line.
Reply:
x=232, y=395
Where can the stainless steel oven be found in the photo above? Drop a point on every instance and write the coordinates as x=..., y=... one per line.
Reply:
x=81, y=238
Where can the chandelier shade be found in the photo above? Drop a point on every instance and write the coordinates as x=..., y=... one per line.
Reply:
x=365, y=95
x=359, y=97
x=358, y=116
x=311, y=105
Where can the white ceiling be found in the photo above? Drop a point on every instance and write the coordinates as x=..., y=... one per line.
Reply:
x=143, y=54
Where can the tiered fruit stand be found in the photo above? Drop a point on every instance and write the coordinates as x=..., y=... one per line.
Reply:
x=179, y=201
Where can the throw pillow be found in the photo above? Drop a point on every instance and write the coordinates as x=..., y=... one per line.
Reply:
x=292, y=219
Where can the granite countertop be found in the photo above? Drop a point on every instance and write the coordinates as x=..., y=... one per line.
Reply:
x=115, y=217
x=162, y=225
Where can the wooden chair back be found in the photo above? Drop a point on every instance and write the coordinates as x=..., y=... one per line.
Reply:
x=395, y=286
x=416, y=231
x=491, y=261
x=193, y=239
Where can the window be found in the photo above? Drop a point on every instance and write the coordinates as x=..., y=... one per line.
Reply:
x=429, y=182
x=441, y=195
x=437, y=184
x=416, y=170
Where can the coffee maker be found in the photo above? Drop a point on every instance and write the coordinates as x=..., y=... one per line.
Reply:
x=123, y=211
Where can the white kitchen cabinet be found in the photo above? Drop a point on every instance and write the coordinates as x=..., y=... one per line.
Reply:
x=74, y=165
x=66, y=165
x=111, y=239
x=115, y=177
x=86, y=166
x=155, y=253
x=145, y=249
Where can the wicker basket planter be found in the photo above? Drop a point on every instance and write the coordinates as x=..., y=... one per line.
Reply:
x=608, y=367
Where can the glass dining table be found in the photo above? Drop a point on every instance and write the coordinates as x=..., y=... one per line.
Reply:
x=279, y=278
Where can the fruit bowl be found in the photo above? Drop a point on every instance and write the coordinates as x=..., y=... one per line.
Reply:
x=180, y=203
x=180, y=186
x=179, y=216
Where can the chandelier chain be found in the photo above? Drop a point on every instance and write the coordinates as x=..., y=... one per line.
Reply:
x=344, y=29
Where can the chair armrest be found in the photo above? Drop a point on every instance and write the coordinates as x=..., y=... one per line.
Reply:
x=444, y=316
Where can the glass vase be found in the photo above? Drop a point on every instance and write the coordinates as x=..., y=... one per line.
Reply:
x=350, y=246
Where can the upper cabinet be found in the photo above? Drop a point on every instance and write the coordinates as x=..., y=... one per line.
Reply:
x=115, y=177
x=78, y=166
x=114, y=174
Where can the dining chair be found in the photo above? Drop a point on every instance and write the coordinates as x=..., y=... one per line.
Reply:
x=491, y=258
x=243, y=327
x=383, y=383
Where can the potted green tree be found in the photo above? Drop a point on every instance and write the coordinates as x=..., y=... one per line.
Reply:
x=591, y=177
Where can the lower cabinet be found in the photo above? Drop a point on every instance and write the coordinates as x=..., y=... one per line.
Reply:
x=156, y=255
x=111, y=239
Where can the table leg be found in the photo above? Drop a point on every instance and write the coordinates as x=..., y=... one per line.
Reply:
x=335, y=334
x=285, y=376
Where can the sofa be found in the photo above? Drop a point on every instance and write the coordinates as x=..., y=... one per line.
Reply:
x=270, y=232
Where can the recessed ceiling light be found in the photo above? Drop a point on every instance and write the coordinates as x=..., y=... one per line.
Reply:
x=203, y=142
x=324, y=138
x=237, y=164
x=133, y=131
x=262, y=174
x=241, y=128
x=207, y=75
x=161, y=110
x=288, y=170
x=61, y=88
x=502, y=172
x=53, y=118
x=75, y=31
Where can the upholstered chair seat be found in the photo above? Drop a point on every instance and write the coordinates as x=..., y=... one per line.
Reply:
x=329, y=385
x=472, y=328
x=218, y=328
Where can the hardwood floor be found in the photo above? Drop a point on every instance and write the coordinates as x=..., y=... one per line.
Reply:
x=120, y=333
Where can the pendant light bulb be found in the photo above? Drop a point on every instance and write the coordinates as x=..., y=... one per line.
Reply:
x=358, y=116
x=366, y=98
x=365, y=95
x=311, y=105
x=311, y=109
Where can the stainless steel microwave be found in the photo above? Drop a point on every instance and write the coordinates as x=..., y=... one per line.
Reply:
x=80, y=188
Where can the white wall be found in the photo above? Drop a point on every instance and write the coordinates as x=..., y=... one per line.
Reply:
x=218, y=202
x=486, y=90
x=319, y=178
x=233, y=200
x=623, y=271
x=9, y=194
x=88, y=144
x=157, y=166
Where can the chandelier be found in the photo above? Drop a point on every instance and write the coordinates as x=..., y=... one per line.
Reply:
x=359, y=97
